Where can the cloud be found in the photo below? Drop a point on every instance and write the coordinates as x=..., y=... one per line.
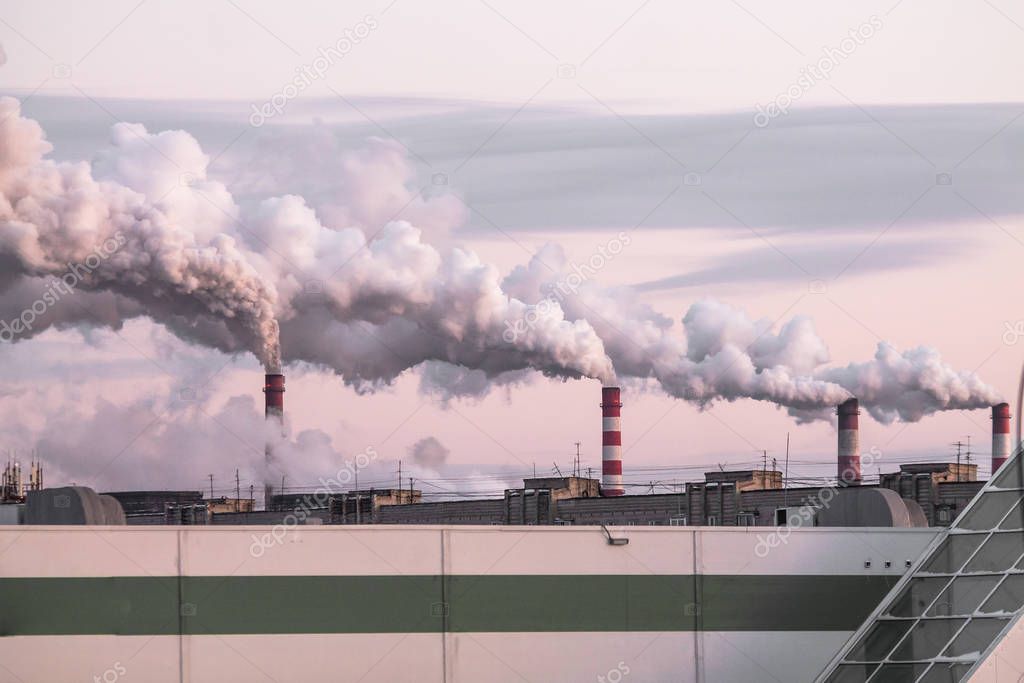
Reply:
x=428, y=452
x=817, y=171
x=785, y=261
x=372, y=305
x=249, y=273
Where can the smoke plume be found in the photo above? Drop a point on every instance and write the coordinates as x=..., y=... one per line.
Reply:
x=430, y=453
x=722, y=354
x=59, y=222
x=144, y=231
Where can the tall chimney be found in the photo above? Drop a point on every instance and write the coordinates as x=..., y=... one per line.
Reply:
x=611, y=442
x=849, y=443
x=273, y=392
x=1000, y=435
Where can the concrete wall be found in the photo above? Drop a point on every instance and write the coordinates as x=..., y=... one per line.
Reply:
x=445, y=604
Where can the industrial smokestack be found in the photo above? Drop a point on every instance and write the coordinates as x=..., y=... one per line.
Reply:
x=273, y=392
x=611, y=442
x=1001, y=445
x=849, y=443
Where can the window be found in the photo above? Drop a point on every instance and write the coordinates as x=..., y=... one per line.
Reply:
x=917, y=596
x=927, y=639
x=938, y=625
x=852, y=673
x=712, y=520
x=802, y=516
x=678, y=520
x=989, y=510
x=975, y=637
x=898, y=673
x=879, y=641
x=746, y=519
x=999, y=553
x=1008, y=598
x=944, y=515
x=1014, y=520
x=963, y=596
x=953, y=552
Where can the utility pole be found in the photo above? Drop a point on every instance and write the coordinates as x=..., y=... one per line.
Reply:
x=959, y=445
x=576, y=469
x=399, y=475
x=968, y=452
x=252, y=501
x=410, y=489
x=211, y=486
x=238, y=492
x=785, y=476
x=357, y=494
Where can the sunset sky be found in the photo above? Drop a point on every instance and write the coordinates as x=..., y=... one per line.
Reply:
x=858, y=164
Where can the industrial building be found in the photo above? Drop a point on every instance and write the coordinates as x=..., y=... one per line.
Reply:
x=917, y=495
x=745, y=498
x=924, y=494
x=151, y=502
x=927, y=494
x=667, y=586
x=467, y=603
x=12, y=487
x=930, y=494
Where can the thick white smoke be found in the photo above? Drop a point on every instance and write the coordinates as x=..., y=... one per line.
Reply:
x=59, y=222
x=159, y=238
x=154, y=229
x=722, y=354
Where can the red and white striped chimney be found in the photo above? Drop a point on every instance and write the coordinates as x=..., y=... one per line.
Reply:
x=273, y=400
x=1000, y=435
x=611, y=442
x=273, y=390
x=849, y=443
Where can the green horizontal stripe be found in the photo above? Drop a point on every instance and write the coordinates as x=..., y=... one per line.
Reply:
x=119, y=605
x=791, y=603
x=311, y=604
x=572, y=603
x=430, y=604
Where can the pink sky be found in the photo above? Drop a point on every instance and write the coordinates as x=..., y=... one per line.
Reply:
x=852, y=181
